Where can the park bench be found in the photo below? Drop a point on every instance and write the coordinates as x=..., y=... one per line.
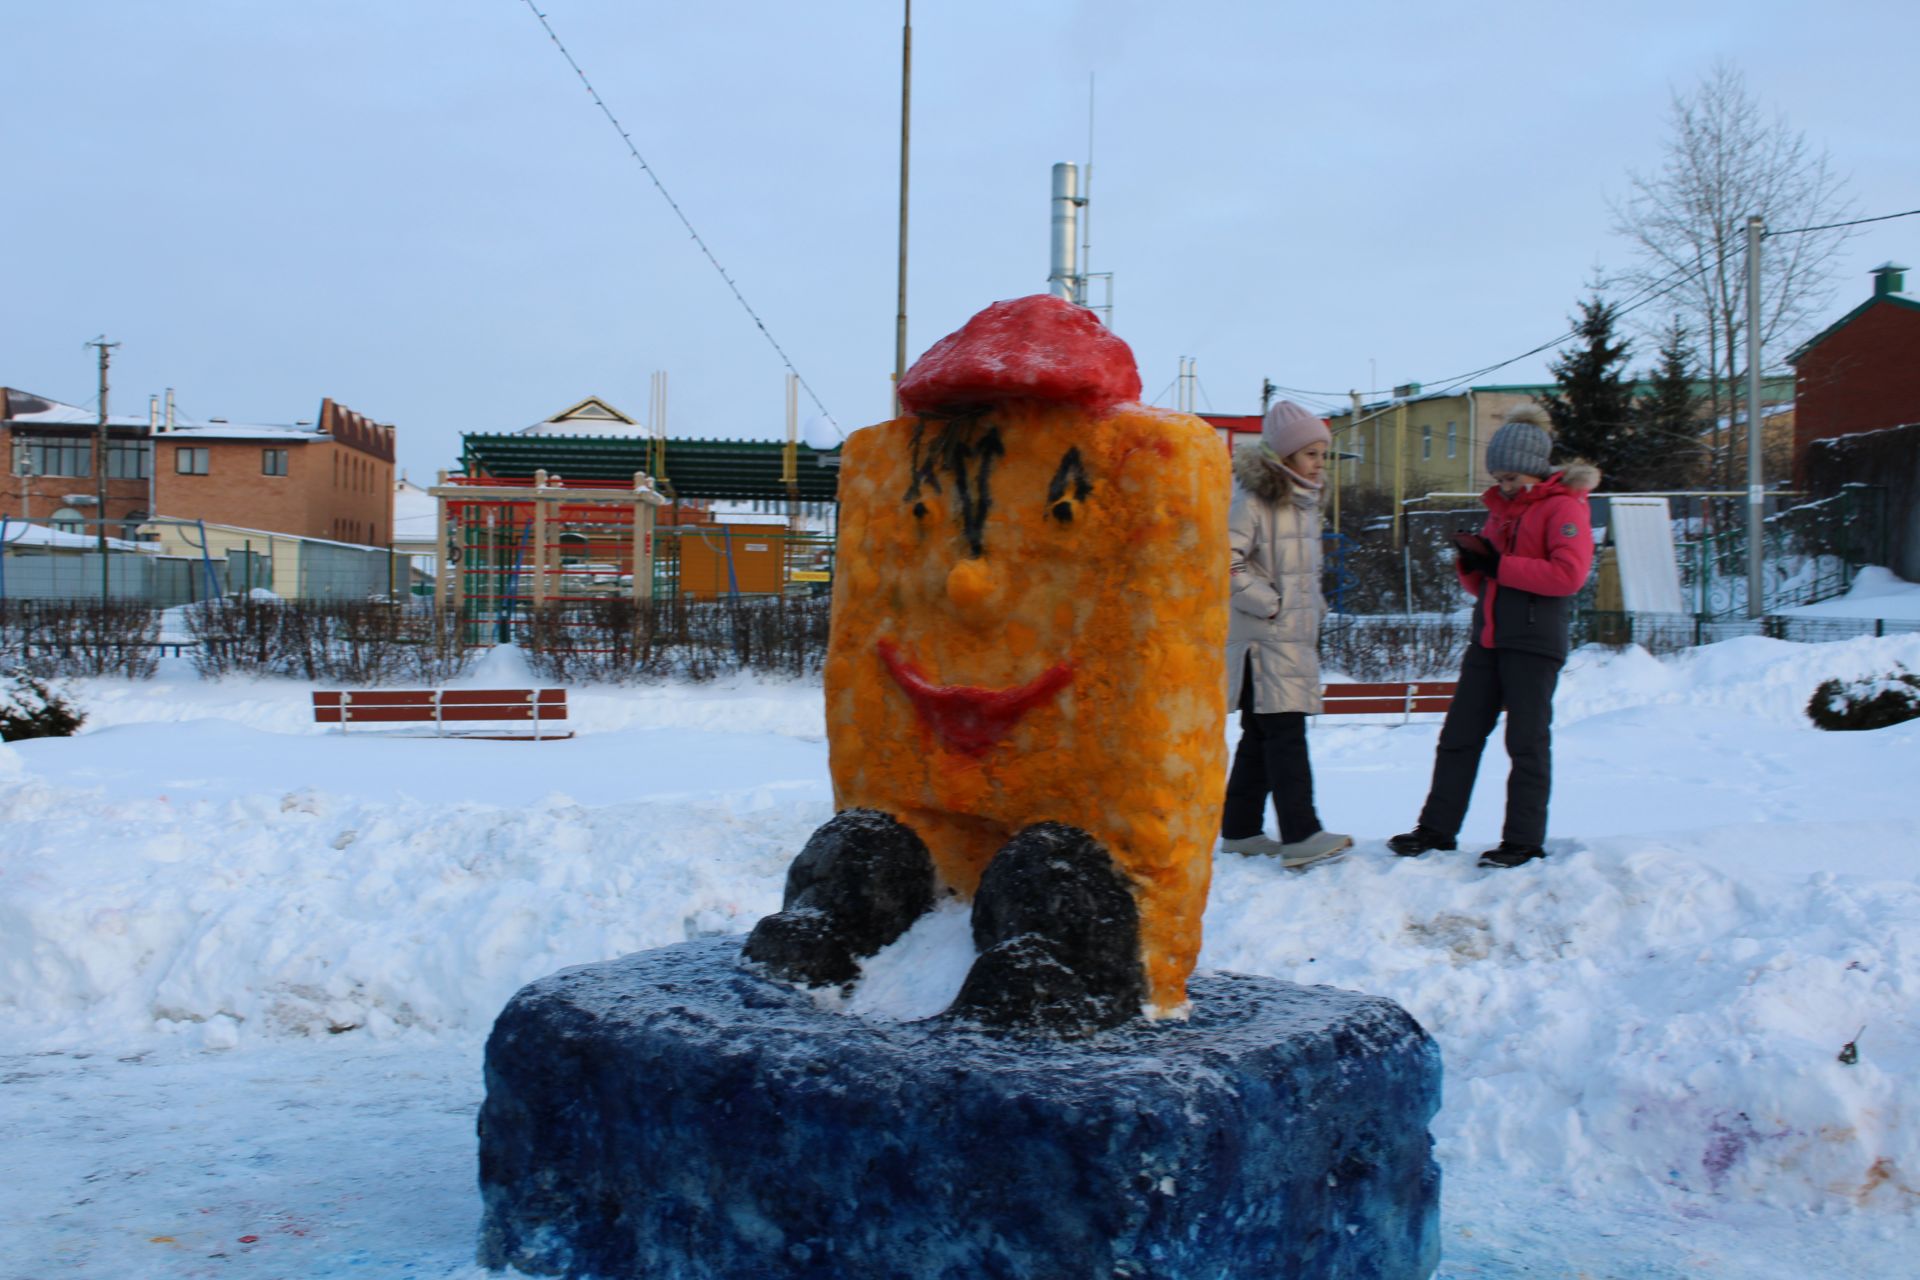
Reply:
x=451, y=713
x=1403, y=698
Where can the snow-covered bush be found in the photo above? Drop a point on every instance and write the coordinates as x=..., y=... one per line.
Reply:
x=30, y=709
x=1870, y=703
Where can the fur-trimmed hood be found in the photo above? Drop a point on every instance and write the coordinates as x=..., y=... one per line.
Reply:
x=1576, y=477
x=1261, y=478
x=1579, y=475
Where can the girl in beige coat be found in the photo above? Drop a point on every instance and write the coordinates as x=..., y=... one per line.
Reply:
x=1273, y=639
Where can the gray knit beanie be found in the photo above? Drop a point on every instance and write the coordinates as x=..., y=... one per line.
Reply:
x=1522, y=445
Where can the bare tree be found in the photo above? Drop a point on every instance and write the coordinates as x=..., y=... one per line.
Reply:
x=1725, y=161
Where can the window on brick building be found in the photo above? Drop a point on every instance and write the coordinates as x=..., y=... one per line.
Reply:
x=190, y=461
x=129, y=459
x=68, y=520
x=1426, y=443
x=273, y=462
x=1453, y=438
x=55, y=458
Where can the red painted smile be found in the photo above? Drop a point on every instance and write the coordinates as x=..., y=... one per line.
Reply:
x=966, y=718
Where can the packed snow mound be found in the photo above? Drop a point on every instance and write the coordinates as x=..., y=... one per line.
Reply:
x=504, y=666
x=1875, y=592
x=1731, y=897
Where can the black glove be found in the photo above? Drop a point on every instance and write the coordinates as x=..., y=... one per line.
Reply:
x=1474, y=562
x=1477, y=555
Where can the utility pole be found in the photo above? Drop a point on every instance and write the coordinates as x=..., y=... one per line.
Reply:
x=100, y=467
x=1266, y=395
x=1756, y=485
x=906, y=114
x=1399, y=469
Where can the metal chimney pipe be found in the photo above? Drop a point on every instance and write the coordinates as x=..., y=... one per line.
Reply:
x=1063, y=279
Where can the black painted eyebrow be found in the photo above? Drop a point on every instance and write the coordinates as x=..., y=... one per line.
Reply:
x=966, y=453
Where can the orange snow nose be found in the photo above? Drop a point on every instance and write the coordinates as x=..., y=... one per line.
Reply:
x=971, y=586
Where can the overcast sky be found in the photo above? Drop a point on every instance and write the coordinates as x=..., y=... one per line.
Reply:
x=413, y=207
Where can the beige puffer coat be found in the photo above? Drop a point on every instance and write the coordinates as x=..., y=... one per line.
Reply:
x=1273, y=534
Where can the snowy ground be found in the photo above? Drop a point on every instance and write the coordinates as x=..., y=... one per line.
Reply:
x=246, y=967
x=1874, y=593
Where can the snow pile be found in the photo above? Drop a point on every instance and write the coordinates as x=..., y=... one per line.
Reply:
x=1654, y=1014
x=1874, y=593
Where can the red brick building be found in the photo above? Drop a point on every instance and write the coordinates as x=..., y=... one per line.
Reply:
x=1860, y=373
x=329, y=479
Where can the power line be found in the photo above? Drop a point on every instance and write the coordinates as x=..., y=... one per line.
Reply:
x=1885, y=217
x=660, y=186
x=1334, y=395
x=1652, y=293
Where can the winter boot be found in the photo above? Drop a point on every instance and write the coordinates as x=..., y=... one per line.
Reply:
x=1511, y=855
x=1321, y=846
x=860, y=882
x=1058, y=936
x=1412, y=844
x=1252, y=846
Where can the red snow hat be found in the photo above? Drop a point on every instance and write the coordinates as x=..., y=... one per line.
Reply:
x=1033, y=348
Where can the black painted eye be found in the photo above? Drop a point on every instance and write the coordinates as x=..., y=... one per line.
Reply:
x=919, y=509
x=1068, y=488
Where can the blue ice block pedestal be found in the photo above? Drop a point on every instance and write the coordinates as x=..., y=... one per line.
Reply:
x=669, y=1114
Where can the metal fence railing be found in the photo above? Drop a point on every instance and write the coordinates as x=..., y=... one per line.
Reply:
x=1661, y=633
x=1812, y=552
x=164, y=562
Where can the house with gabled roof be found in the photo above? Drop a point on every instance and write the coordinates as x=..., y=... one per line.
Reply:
x=1862, y=372
x=592, y=416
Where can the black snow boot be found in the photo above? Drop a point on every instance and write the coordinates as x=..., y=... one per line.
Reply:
x=863, y=878
x=1058, y=935
x=1412, y=844
x=1511, y=855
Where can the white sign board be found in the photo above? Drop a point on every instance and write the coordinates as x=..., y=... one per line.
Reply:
x=1642, y=533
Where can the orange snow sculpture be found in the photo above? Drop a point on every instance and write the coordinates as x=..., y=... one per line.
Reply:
x=1029, y=617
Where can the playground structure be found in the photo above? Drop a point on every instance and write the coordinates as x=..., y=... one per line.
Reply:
x=548, y=545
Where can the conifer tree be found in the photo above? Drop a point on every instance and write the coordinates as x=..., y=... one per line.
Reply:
x=1593, y=410
x=1667, y=449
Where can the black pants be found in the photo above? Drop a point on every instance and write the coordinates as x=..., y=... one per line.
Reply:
x=1270, y=760
x=1492, y=680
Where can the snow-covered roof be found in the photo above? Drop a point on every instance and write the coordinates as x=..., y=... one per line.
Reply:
x=18, y=534
x=296, y=434
x=590, y=417
x=26, y=409
x=281, y=534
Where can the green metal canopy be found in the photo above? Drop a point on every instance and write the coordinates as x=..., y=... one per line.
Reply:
x=729, y=469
